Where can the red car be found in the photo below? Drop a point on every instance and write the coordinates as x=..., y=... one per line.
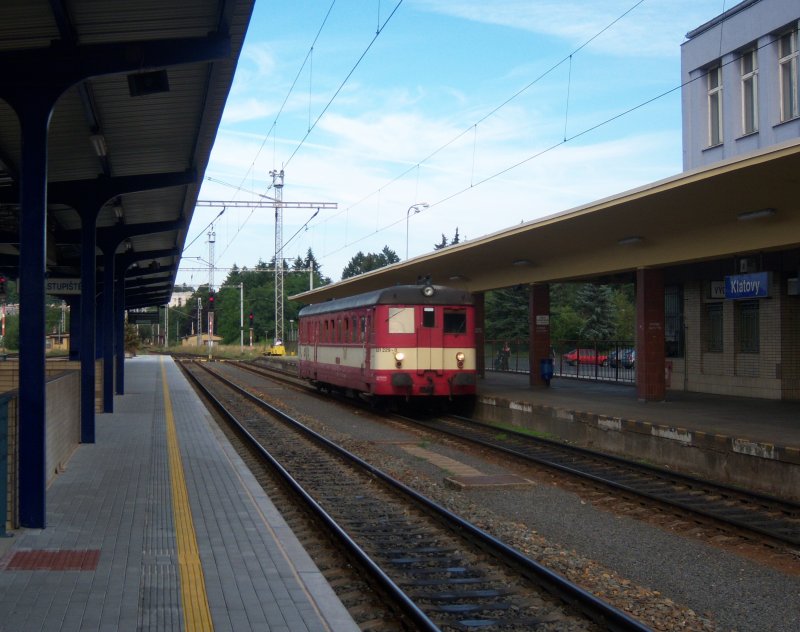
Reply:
x=586, y=356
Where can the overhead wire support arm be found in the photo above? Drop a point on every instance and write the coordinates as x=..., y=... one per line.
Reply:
x=265, y=204
x=278, y=204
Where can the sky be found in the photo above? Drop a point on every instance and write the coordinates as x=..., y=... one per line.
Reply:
x=491, y=113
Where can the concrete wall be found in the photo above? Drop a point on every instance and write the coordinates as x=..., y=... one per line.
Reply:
x=62, y=434
x=771, y=469
x=721, y=44
x=9, y=375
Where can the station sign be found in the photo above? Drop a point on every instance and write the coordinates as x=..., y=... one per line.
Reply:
x=62, y=286
x=716, y=290
x=143, y=318
x=754, y=285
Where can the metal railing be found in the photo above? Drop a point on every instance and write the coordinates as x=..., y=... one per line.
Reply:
x=606, y=361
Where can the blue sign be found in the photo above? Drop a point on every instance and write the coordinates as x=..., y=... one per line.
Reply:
x=755, y=285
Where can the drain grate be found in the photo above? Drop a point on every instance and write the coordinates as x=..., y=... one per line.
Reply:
x=65, y=560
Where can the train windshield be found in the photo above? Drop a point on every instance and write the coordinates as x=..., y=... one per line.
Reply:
x=401, y=320
x=455, y=321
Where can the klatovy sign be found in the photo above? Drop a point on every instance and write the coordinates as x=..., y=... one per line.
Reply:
x=753, y=285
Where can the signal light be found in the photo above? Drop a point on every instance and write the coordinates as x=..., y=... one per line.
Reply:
x=251, y=318
x=2, y=285
x=211, y=301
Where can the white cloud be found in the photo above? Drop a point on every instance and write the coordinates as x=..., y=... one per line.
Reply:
x=652, y=28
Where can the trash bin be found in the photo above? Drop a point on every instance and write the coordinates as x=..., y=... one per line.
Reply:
x=546, y=370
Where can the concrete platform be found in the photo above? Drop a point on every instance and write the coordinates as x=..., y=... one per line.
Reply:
x=160, y=526
x=752, y=443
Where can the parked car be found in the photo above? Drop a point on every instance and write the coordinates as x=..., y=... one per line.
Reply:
x=586, y=356
x=622, y=357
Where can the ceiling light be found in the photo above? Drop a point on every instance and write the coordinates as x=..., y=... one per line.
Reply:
x=630, y=241
x=144, y=83
x=99, y=144
x=521, y=262
x=764, y=212
x=117, y=211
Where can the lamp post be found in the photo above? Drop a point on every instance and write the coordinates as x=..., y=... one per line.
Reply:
x=416, y=208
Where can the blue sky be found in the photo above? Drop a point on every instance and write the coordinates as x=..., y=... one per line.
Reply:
x=462, y=104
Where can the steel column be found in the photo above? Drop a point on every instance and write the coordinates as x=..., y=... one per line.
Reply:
x=34, y=120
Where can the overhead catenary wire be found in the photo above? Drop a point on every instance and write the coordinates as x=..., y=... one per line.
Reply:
x=544, y=151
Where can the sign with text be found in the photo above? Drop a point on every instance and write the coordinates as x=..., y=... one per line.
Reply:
x=716, y=289
x=754, y=285
x=62, y=286
x=143, y=318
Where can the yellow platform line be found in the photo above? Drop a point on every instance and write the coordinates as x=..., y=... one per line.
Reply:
x=194, y=600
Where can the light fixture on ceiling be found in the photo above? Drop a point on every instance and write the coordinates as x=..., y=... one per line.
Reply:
x=458, y=277
x=128, y=245
x=118, y=212
x=762, y=212
x=630, y=241
x=521, y=262
x=144, y=83
x=99, y=145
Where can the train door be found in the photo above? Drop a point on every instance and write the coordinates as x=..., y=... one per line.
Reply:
x=429, y=341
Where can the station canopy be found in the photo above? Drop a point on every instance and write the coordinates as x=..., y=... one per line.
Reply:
x=135, y=142
x=740, y=206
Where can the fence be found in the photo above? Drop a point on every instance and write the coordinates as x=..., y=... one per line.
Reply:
x=608, y=361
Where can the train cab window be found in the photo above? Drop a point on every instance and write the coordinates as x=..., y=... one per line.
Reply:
x=428, y=317
x=401, y=320
x=455, y=321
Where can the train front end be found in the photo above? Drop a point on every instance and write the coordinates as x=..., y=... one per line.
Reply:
x=425, y=348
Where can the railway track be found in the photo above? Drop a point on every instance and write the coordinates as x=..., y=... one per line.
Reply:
x=441, y=571
x=771, y=518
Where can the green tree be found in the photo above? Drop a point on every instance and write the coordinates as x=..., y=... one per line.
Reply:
x=507, y=313
x=362, y=263
x=595, y=303
x=444, y=243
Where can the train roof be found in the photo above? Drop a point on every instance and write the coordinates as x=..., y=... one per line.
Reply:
x=396, y=295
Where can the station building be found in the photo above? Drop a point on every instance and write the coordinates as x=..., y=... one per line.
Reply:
x=714, y=252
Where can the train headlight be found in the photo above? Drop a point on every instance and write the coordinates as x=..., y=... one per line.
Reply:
x=399, y=356
x=460, y=359
x=428, y=291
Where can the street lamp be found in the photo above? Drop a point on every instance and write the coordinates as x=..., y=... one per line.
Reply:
x=416, y=208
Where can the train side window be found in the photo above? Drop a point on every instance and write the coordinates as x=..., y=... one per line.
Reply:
x=363, y=328
x=354, y=330
x=401, y=320
x=455, y=321
x=346, y=330
x=338, y=330
x=428, y=317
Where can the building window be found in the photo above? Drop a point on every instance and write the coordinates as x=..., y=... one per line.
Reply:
x=713, y=330
x=787, y=60
x=673, y=321
x=747, y=329
x=749, y=68
x=715, y=106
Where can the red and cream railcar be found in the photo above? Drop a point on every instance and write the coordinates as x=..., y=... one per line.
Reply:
x=405, y=342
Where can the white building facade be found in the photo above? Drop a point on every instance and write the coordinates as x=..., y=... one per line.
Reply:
x=740, y=82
